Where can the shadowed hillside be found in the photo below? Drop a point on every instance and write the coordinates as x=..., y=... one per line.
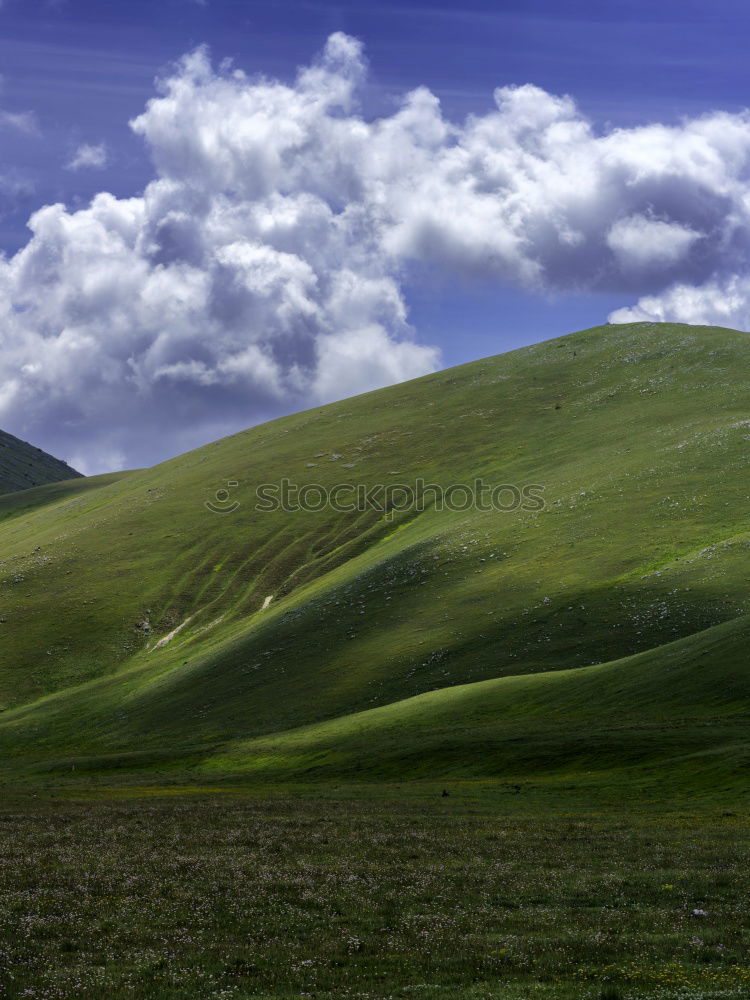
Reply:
x=23, y=466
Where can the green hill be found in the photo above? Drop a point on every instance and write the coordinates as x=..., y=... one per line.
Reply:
x=603, y=635
x=23, y=466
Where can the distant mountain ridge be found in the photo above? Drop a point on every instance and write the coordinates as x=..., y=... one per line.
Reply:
x=23, y=466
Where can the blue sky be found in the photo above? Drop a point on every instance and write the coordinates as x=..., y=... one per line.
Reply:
x=81, y=70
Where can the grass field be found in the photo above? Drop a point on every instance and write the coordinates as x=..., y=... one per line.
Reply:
x=474, y=895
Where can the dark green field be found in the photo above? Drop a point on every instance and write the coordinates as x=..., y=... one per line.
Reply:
x=224, y=737
x=474, y=895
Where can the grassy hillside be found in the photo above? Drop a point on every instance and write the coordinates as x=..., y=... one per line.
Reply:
x=606, y=631
x=23, y=466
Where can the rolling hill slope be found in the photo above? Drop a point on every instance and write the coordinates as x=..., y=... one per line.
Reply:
x=23, y=466
x=137, y=631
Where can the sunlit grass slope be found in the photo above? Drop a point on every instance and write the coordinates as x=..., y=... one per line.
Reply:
x=639, y=435
x=23, y=466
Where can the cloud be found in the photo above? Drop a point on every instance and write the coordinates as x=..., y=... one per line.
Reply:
x=20, y=121
x=263, y=269
x=89, y=156
x=721, y=302
x=640, y=243
x=14, y=184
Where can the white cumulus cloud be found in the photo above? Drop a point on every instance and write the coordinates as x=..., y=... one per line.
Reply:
x=263, y=269
x=721, y=302
x=641, y=243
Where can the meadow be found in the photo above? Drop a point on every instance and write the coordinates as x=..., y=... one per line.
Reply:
x=477, y=894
